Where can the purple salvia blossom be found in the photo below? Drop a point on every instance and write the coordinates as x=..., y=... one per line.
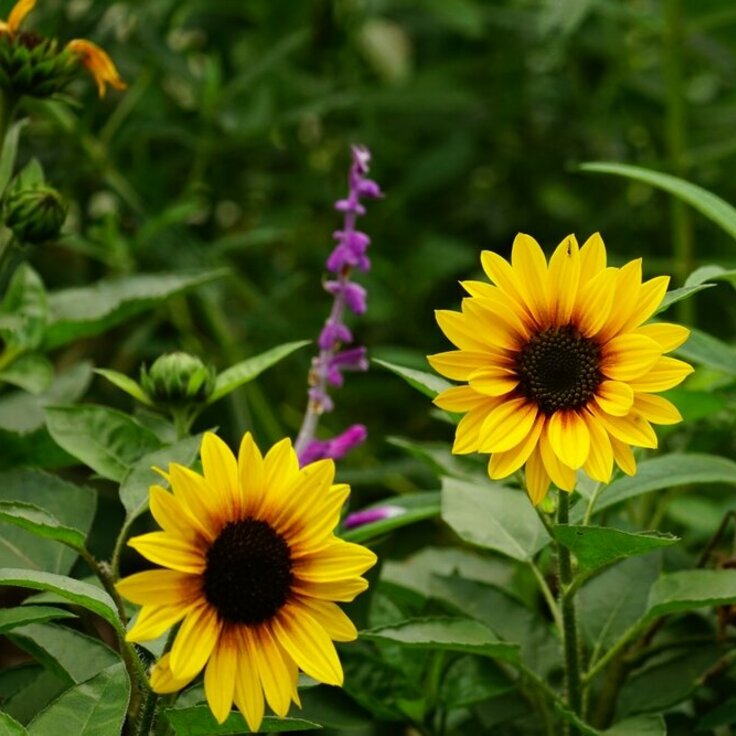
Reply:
x=328, y=366
x=370, y=516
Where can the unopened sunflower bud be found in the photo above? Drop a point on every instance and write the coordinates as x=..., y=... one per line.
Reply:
x=178, y=379
x=34, y=214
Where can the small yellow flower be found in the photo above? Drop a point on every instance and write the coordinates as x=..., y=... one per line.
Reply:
x=560, y=370
x=253, y=570
x=17, y=15
x=98, y=63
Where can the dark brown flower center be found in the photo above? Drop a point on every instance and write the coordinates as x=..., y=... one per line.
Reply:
x=248, y=574
x=559, y=368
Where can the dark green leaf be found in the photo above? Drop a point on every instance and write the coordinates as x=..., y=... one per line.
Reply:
x=639, y=726
x=97, y=706
x=427, y=383
x=106, y=440
x=494, y=517
x=444, y=633
x=10, y=618
x=10, y=727
x=596, y=546
x=199, y=721
x=9, y=152
x=40, y=522
x=470, y=680
x=690, y=589
x=251, y=368
x=82, y=594
x=91, y=310
x=27, y=702
x=722, y=715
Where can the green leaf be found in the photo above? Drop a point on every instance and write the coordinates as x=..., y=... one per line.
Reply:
x=91, y=310
x=32, y=372
x=125, y=383
x=722, y=715
x=135, y=485
x=245, y=371
x=711, y=272
x=97, y=706
x=709, y=351
x=470, y=680
x=713, y=207
x=596, y=546
x=26, y=300
x=438, y=456
x=494, y=517
x=669, y=471
x=106, y=440
x=409, y=510
x=426, y=383
x=199, y=721
x=40, y=522
x=10, y=727
x=445, y=633
x=82, y=594
x=687, y=590
x=26, y=703
x=11, y=618
x=639, y=726
x=9, y=152
x=677, y=295
x=71, y=505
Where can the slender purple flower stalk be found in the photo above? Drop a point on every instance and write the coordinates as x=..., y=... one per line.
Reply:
x=328, y=366
x=370, y=516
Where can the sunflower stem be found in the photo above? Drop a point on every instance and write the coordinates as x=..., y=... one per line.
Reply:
x=570, y=644
x=146, y=714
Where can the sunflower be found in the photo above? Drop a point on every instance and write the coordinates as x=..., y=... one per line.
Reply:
x=560, y=370
x=252, y=569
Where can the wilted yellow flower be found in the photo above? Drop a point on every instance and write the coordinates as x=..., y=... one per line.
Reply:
x=254, y=571
x=98, y=63
x=561, y=370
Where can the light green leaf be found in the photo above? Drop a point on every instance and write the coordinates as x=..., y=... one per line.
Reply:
x=494, y=517
x=11, y=618
x=445, y=633
x=40, y=522
x=596, y=546
x=713, y=207
x=10, y=727
x=251, y=368
x=640, y=725
x=409, y=509
x=91, y=310
x=711, y=272
x=40, y=689
x=97, y=706
x=26, y=300
x=106, y=440
x=82, y=594
x=199, y=721
x=707, y=350
x=32, y=372
x=427, y=383
x=677, y=295
x=70, y=505
x=669, y=471
x=125, y=383
x=687, y=590
x=135, y=485
x=9, y=152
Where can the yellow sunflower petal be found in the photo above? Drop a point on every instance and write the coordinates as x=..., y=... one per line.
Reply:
x=626, y=293
x=153, y=621
x=273, y=670
x=170, y=514
x=162, y=679
x=502, y=464
x=193, y=491
x=457, y=364
x=252, y=474
x=668, y=335
x=308, y=644
x=623, y=455
x=459, y=399
x=335, y=561
x=478, y=288
x=169, y=551
x=536, y=478
x=599, y=464
x=343, y=591
x=569, y=436
x=306, y=537
x=220, y=469
x=494, y=380
x=595, y=301
x=629, y=356
x=18, y=14
x=297, y=504
x=459, y=330
x=467, y=432
x=632, y=429
x=499, y=271
x=489, y=328
x=500, y=308
x=219, y=677
x=248, y=690
x=592, y=257
x=99, y=64
x=195, y=641
x=281, y=466
x=665, y=374
x=614, y=397
x=159, y=587
x=507, y=425
x=650, y=297
x=562, y=475
x=527, y=259
x=657, y=409
x=564, y=277
x=332, y=618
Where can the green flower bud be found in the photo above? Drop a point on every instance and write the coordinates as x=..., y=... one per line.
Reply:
x=34, y=214
x=178, y=379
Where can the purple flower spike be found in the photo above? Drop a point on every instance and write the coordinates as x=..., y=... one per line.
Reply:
x=354, y=295
x=333, y=334
x=335, y=448
x=370, y=516
x=348, y=360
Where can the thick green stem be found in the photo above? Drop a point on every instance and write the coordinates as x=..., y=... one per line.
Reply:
x=570, y=642
x=146, y=714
